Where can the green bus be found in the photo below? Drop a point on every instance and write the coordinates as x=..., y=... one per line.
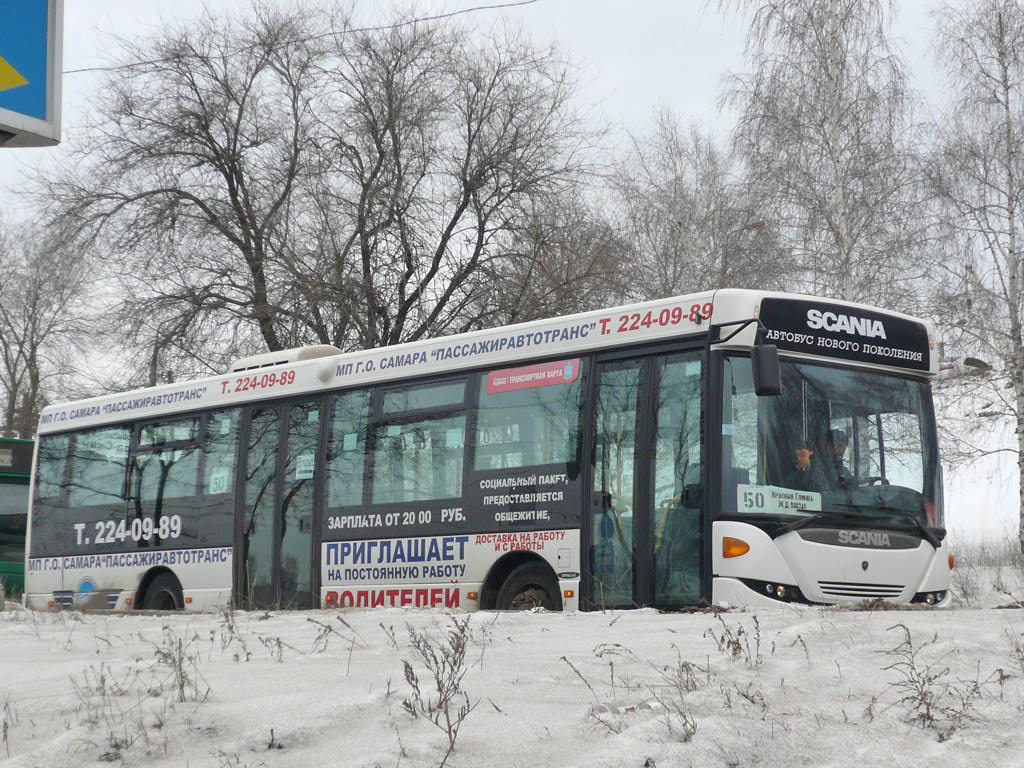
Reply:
x=15, y=469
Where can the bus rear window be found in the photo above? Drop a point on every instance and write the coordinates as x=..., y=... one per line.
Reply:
x=53, y=458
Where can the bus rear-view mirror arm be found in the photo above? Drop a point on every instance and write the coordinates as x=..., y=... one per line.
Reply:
x=764, y=359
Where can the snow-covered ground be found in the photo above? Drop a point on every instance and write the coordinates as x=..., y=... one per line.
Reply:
x=793, y=687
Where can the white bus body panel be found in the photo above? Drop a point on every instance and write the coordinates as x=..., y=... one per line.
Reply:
x=105, y=582
x=668, y=319
x=896, y=575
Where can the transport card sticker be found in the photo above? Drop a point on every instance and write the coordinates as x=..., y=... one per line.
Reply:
x=531, y=376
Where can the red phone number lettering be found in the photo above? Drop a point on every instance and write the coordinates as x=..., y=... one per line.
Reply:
x=257, y=381
x=666, y=317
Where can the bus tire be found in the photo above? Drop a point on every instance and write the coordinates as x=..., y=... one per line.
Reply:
x=163, y=594
x=529, y=585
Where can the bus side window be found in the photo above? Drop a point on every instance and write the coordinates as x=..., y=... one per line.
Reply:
x=346, y=451
x=99, y=458
x=165, y=483
x=220, y=446
x=420, y=442
x=529, y=425
x=165, y=465
x=419, y=460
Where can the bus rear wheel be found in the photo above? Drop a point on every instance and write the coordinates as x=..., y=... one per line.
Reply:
x=529, y=585
x=163, y=594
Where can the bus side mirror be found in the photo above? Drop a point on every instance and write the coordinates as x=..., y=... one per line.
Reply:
x=764, y=361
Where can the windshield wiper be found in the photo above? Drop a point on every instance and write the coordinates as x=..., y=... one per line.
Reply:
x=927, y=533
x=800, y=523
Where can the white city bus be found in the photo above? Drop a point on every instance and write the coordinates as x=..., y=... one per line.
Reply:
x=606, y=459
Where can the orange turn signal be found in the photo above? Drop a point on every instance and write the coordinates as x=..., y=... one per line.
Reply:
x=188, y=599
x=127, y=601
x=951, y=560
x=734, y=547
x=471, y=595
x=568, y=593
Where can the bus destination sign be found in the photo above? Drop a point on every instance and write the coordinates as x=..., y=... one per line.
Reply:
x=849, y=333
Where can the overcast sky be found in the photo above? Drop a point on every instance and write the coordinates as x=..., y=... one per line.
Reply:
x=634, y=56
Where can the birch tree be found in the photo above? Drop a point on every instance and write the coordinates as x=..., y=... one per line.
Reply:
x=41, y=321
x=687, y=217
x=562, y=257
x=978, y=177
x=826, y=132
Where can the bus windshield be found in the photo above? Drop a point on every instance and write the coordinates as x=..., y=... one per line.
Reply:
x=852, y=444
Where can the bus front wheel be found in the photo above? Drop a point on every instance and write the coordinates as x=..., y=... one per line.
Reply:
x=163, y=594
x=529, y=585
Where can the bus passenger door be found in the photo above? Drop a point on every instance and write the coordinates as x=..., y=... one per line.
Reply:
x=645, y=483
x=675, y=499
x=613, y=486
x=276, y=528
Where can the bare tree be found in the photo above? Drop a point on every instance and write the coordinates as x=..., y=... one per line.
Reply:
x=40, y=321
x=190, y=162
x=825, y=130
x=277, y=178
x=978, y=177
x=562, y=257
x=688, y=220
x=439, y=142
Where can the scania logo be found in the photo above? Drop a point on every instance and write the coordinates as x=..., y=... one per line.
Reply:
x=865, y=538
x=864, y=565
x=855, y=326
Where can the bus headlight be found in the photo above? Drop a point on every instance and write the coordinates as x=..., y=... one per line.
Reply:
x=784, y=593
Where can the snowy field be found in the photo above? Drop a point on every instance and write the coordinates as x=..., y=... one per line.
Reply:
x=805, y=687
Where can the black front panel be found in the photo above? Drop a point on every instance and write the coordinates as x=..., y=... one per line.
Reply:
x=847, y=333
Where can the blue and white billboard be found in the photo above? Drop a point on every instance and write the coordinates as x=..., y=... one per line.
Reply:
x=30, y=72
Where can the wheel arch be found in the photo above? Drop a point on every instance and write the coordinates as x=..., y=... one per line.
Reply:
x=147, y=580
x=500, y=571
